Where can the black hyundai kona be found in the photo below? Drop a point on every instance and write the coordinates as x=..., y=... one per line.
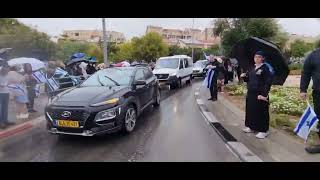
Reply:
x=110, y=100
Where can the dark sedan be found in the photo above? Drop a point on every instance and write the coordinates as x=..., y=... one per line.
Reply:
x=109, y=101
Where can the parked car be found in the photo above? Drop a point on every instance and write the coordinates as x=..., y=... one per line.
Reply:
x=174, y=70
x=199, y=68
x=108, y=101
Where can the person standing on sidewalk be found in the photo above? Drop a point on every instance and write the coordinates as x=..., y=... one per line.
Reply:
x=4, y=97
x=30, y=84
x=311, y=69
x=259, y=81
x=213, y=86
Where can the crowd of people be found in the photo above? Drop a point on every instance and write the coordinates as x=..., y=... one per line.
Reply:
x=259, y=81
x=225, y=71
x=17, y=83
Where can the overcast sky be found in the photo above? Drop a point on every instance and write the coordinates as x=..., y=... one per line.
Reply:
x=137, y=26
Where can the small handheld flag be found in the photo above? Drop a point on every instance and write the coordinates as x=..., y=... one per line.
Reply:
x=307, y=122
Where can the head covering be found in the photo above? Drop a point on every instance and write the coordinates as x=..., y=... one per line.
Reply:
x=261, y=53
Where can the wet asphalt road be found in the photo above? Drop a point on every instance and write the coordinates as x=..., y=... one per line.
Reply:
x=176, y=131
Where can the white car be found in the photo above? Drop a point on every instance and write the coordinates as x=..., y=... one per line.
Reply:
x=199, y=68
x=174, y=70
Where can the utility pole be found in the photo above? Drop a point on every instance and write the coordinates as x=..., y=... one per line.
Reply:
x=192, y=37
x=105, y=43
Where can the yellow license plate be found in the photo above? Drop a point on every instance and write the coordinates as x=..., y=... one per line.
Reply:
x=72, y=124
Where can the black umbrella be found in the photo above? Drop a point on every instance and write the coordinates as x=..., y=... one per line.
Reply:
x=245, y=50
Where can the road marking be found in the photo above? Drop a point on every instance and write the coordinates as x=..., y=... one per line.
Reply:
x=235, y=147
x=21, y=127
x=209, y=116
x=243, y=152
x=200, y=102
x=16, y=130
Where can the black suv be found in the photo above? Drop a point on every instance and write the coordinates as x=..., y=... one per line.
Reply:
x=108, y=101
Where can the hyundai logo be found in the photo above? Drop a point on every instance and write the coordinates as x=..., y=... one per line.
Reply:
x=66, y=114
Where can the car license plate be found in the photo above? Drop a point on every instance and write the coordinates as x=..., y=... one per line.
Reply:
x=72, y=124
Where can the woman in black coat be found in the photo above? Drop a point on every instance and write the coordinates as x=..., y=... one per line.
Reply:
x=259, y=81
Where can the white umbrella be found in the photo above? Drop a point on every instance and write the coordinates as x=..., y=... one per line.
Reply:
x=35, y=63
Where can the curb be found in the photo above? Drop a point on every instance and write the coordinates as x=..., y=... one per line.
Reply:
x=231, y=142
x=20, y=128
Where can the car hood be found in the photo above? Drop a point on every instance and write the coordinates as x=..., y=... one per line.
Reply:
x=84, y=96
x=197, y=68
x=164, y=71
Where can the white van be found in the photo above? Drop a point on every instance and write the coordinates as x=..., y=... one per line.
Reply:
x=174, y=70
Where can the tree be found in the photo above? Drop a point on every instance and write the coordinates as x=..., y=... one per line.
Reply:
x=148, y=48
x=125, y=52
x=96, y=51
x=317, y=44
x=67, y=48
x=215, y=50
x=233, y=30
x=25, y=41
x=299, y=48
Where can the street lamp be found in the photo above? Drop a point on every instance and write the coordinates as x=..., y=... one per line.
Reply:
x=192, y=38
x=105, y=43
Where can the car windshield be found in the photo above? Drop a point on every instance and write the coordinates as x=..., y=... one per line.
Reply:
x=110, y=77
x=172, y=63
x=199, y=64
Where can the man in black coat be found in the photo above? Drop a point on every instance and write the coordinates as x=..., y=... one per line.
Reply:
x=311, y=69
x=216, y=66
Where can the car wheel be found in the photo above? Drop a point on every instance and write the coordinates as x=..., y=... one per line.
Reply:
x=179, y=83
x=130, y=119
x=158, y=97
x=189, y=81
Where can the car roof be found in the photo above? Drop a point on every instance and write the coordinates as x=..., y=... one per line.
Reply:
x=175, y=56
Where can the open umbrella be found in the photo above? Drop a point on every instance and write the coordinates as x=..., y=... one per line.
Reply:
x=245, y=50
x=76, y=60
x=36, y=64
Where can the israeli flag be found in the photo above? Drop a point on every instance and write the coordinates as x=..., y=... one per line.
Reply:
x=307, y=122
x=207, y=57
x=39, y=76
x=208, y=80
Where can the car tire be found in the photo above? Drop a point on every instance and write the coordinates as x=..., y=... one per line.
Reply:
x=157, y=100
x=190, y=80
x=129, y=120
x=179, y=83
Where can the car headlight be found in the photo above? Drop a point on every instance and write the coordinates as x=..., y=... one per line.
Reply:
x=173, y=74
x=105, y=115
x=110, y=101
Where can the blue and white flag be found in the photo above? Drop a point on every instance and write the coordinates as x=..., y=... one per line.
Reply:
x=39, y=76
x=307, y=122
x=52, y=84
x=208, y=80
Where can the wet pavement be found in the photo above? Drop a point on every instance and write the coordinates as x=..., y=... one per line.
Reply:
x=176, y=131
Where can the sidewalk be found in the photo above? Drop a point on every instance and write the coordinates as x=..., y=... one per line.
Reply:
x=277, y=147
x=23, y=124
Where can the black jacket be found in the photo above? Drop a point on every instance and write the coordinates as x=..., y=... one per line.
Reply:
x=259, y=80
x=218, y=68
x=311, y=69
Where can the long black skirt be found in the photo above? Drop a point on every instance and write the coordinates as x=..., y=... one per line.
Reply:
x=257, y=113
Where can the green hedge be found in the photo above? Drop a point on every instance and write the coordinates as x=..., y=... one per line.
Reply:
x=296, y=66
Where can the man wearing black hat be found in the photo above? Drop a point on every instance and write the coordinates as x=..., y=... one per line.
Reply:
x=311, y=69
